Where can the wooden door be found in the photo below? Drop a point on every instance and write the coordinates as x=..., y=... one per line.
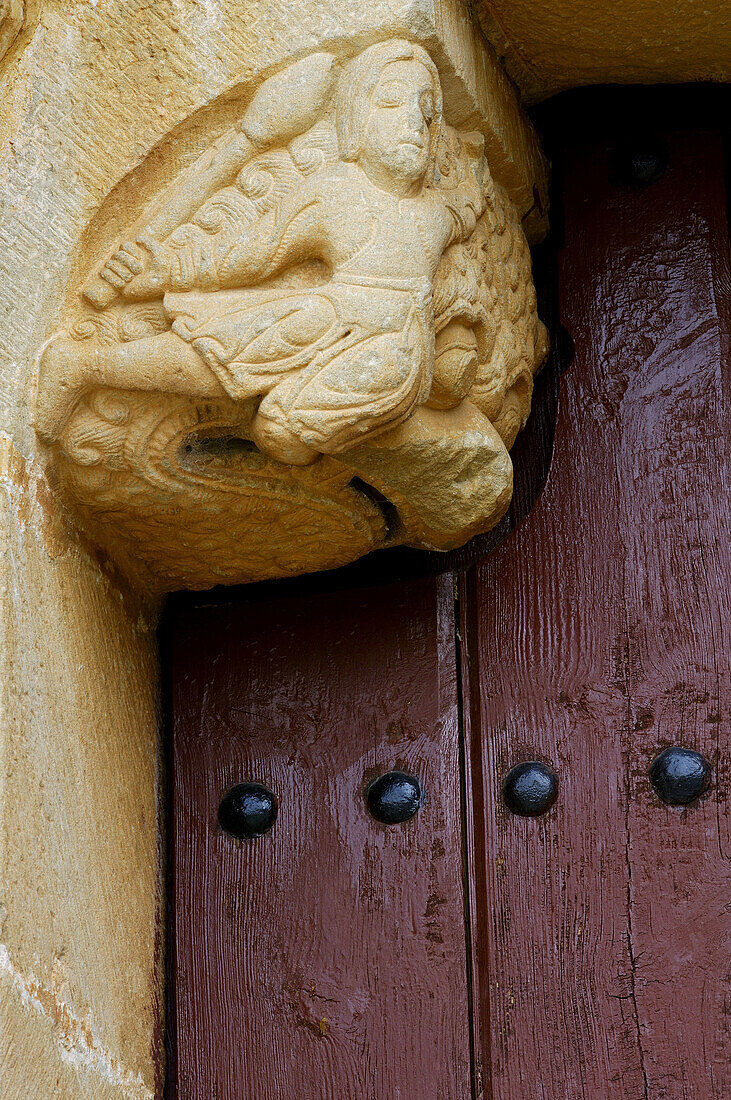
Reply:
x=305, y=959
x=469, y=951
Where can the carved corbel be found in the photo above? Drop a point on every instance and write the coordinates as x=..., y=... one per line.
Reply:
x=317, y=340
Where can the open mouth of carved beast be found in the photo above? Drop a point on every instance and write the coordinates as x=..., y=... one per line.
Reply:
x=234, y=449
x=386, y=507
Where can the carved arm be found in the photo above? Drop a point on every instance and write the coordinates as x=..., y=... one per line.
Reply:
x=293, y=231
x=287, y=104
x=290, y=232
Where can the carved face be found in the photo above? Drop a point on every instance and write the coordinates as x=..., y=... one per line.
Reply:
x=397, y=136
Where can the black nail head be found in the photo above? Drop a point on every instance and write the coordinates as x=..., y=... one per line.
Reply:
x=247, y=811
x=679, y=775
x=394, y=797
x=638, y=164
x=530, y=788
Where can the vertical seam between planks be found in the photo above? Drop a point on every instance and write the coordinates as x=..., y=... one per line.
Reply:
x=627, y=666
x=466, y=890
x=724, y=317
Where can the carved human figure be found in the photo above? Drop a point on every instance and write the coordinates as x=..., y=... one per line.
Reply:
x=334, y=363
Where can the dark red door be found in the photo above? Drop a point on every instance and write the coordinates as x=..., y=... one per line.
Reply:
x=304, y=957
x=468, y=951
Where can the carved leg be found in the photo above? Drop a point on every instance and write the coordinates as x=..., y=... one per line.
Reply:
x=68, y=368
x=275, y=439
x=357, y=391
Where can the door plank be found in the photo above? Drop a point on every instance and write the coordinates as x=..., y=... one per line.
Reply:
x=326, y=959
x=597, y=635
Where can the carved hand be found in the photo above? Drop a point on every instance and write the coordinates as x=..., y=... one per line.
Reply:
x=140, y=269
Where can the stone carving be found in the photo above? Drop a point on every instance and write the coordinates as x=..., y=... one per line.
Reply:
x=320, y=340
x=12, y=17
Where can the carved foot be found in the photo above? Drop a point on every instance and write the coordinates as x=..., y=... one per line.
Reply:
x=60, y=385
x=446, y=471
x=276, y=441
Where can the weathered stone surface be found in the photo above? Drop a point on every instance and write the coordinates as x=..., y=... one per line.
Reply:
x=48, y=1053
x=12, y=17
x=562, y=44
x=80, y=883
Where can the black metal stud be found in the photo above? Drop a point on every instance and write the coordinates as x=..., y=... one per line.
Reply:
x=530, y=788
x=679, y=775
x=638, y=163
x=247, y=811
x=394, y=797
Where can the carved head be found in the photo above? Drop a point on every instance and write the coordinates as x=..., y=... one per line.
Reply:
x=389, y=101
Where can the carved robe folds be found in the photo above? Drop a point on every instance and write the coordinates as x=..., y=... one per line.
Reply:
x=324, y=285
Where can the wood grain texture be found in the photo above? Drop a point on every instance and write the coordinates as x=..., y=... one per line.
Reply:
x=595, y=636
x=328, y=958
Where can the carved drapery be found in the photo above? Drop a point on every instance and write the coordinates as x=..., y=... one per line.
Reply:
x=316, y=339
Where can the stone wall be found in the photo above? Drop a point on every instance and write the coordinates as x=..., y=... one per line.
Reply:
x=80, y=935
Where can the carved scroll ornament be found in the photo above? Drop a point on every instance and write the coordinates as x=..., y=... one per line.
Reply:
x=319, y=340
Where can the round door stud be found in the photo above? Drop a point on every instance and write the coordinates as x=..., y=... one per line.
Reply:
x=530, y=788
x=394, y=797
x=247, y=811
x=679, y=775
x=638, y=164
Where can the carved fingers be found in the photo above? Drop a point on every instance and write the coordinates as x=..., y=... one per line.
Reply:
x=139, y=269
x=127, y=261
